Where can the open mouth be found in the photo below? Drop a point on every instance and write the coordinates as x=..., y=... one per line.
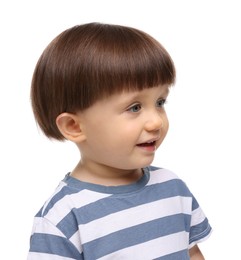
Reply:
x=148, y=144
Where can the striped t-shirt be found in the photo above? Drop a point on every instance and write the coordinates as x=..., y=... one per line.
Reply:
x=154, y=218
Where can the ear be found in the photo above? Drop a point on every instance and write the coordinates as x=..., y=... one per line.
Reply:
x=70, y=127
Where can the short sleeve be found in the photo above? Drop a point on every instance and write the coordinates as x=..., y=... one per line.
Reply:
x=47, y=242
x=200, y=228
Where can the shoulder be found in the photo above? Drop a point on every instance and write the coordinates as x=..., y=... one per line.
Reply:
x=69, y=195
x=167, y=179
x=161, y=174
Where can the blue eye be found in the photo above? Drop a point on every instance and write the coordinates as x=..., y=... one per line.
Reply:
x=160, y=102
x=135, y=108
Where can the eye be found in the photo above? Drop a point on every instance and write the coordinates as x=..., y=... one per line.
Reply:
x=161, y=102
x=135, y=108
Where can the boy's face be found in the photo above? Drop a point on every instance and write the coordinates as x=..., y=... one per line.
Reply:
x=124, y=130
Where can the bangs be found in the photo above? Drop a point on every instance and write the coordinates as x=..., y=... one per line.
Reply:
x=109, y=60
x=130, y=60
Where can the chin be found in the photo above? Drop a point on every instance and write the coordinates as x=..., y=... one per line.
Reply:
x=145, y=163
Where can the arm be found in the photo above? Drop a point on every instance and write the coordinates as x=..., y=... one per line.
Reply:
x=195, y=253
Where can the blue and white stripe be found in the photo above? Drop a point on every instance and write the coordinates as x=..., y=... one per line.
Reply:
x=155, y=218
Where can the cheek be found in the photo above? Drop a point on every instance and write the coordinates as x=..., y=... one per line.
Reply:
x=164, y=129
x=102, y=135
x=167, y=124
x=165, y=121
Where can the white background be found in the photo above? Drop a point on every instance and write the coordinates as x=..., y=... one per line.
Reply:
x=203, y=144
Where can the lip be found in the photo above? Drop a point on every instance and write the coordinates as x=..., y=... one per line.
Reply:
x=149, y=145
x=153, y=140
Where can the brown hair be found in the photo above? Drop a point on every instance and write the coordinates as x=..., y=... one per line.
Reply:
x=88, y=62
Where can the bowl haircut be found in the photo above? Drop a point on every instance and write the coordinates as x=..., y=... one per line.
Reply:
x=89, y=62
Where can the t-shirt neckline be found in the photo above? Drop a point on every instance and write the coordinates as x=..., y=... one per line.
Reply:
x=133, y=187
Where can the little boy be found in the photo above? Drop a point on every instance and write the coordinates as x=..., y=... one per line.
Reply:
x=104, y=87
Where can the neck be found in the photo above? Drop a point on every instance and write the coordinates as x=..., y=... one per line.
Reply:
x=105, y=175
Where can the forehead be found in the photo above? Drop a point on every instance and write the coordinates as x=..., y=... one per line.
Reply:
x=136, y=95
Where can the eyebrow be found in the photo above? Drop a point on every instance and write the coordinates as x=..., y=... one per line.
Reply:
x=167, y=91
x=138, y=94
x=135, y=96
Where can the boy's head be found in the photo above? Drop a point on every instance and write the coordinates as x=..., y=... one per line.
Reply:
x=92, y=61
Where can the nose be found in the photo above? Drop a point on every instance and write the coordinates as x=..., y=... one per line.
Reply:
x=155, y=121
